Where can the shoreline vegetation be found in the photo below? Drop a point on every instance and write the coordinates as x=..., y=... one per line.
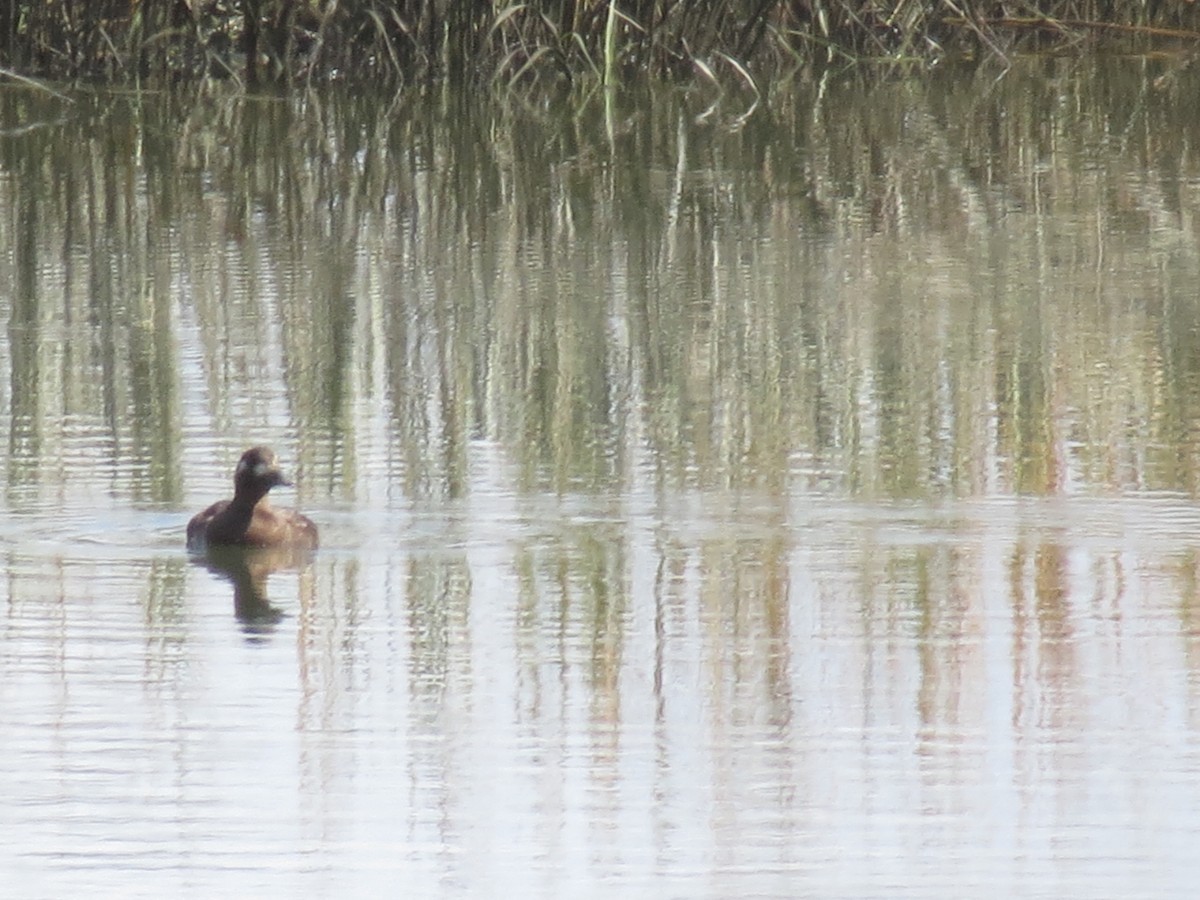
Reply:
x=729, y=43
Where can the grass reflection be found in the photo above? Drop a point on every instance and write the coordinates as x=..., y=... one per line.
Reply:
x=754, y=308
x=703, y=479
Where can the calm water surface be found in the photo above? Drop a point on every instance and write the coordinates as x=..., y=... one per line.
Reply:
x=802, y=505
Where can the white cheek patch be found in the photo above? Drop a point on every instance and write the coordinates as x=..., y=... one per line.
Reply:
x=262, y=469
x=241, y=467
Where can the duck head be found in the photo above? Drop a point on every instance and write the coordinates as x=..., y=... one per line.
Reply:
x=257, y=472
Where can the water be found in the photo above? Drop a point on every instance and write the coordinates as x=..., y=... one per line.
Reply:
x=794, y=507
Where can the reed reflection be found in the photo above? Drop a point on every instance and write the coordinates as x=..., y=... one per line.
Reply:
x=647, y=448
x=751, y=309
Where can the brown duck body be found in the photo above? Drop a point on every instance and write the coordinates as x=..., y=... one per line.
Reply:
x=249, y=520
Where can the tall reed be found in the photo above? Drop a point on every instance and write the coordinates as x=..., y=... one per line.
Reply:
x=513, y=42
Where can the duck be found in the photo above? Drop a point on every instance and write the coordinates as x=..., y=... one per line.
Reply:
x=249, y=520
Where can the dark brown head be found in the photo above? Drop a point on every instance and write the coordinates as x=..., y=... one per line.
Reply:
x=257, y=472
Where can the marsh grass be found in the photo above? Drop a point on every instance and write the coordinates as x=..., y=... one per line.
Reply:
x=511, y=43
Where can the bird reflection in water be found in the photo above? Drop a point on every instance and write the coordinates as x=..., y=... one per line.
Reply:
x=247, y=569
